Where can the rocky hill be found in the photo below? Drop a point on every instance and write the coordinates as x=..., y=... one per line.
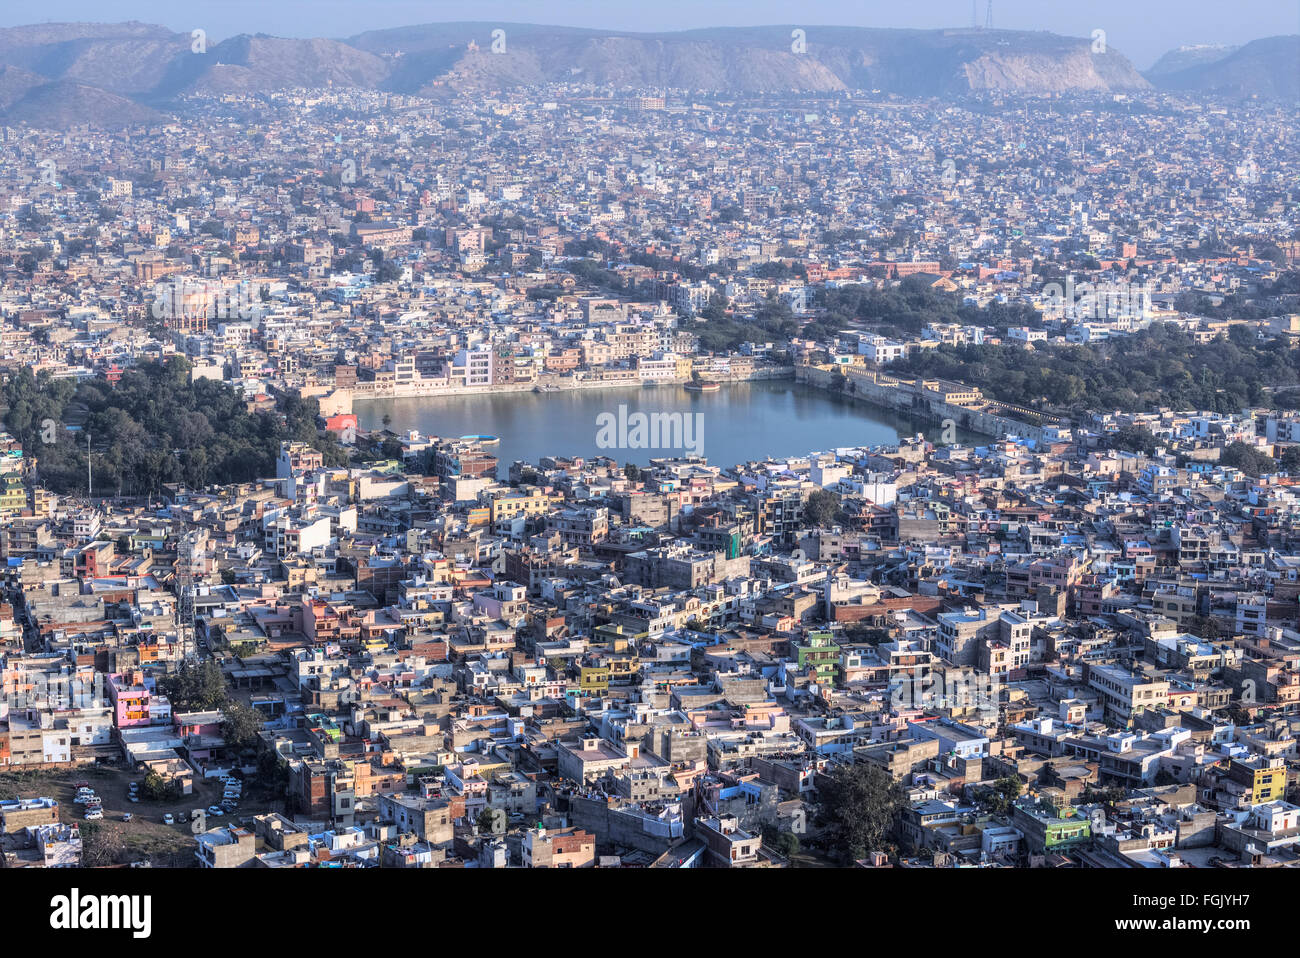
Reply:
x=127, y=70
x=1268, y=68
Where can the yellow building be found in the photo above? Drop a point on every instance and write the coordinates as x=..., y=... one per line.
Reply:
x=1265, y=777
x=593, y=679
x=534, y=502
x=13, y=495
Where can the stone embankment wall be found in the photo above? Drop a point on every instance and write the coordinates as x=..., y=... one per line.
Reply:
x=973, y=418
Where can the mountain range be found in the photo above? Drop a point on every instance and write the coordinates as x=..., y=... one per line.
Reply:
x=62, y=74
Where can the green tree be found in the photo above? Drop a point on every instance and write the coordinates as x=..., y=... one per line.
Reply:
x=822, y=508
x=272, y=772
x=783, y=843
x=240, y=724
x=1002, y=793
x=1246, y=458
x=859, y=806
x=155, y=788
x=195, y=687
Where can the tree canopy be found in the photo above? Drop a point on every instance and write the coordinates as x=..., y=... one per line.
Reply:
x=859, y=806
x=153, y=426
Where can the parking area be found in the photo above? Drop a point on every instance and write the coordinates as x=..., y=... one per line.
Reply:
x=146, y=836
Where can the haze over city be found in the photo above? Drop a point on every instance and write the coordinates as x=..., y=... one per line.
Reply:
x=623, y=438
x=1144, y=30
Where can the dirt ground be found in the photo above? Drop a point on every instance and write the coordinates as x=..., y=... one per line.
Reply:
x=145, y=837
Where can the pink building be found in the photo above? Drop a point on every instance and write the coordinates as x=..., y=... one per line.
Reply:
x=130, y=699
x=201, y=732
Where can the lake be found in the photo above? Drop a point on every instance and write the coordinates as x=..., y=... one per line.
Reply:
x=741, y=421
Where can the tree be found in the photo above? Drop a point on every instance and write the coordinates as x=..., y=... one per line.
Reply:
x=195, y=687
x=1246, y=458
x=859, y=805
x=1002, y=793
x=1134, y=439
x=154, y=426
x=632, y=472
x=822, y=508
x=155, y=788
x=97, y=849
x=272, y=772
x=240, y=724
x=783, y=843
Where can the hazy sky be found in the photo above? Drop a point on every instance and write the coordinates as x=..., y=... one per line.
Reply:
x=1141, y=29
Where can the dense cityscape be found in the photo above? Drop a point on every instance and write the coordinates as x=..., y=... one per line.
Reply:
x=255, y=615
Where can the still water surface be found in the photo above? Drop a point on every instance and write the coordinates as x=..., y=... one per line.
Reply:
x=742, y=421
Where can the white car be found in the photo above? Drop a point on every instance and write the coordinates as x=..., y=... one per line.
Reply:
x=126, y=817
x=169, y=819
x=216, y=810
x=94, y=813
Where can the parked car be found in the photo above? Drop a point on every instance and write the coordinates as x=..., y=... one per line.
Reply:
x=169, y=819
x=215, y=810
x=134, y=798
x=94, y=813
x=181, y=817
x=126, y=816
